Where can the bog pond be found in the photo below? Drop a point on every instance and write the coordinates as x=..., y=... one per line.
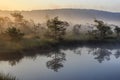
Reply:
x=81, y=62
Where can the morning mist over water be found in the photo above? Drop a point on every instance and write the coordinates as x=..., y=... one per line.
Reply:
x=75, y=16
x=59, y=39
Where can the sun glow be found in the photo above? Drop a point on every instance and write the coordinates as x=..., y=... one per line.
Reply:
x=55, y=4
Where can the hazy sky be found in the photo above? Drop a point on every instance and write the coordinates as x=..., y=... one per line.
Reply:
x=109, y=5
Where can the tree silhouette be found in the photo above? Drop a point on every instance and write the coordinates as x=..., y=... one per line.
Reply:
x=102, y=28
x=76, y=29
x=36, y=30
x=117, y=30
x=57, y=28
x=14, y=33
x=18, y=17
x=4, y=22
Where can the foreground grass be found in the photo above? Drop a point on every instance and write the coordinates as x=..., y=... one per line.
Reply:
x=7, y=77
x=8, y=46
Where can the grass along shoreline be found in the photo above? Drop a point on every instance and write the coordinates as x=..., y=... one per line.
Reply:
x=29, y=44
x=19, y=34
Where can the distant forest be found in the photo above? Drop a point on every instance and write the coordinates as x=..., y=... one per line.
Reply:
x=21, y=33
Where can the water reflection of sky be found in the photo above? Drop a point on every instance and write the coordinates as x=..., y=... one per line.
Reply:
x=86, y=63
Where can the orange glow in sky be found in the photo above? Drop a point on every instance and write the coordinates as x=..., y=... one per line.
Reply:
x=112, y=5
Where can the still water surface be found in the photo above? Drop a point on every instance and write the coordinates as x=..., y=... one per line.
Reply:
x=93, y=62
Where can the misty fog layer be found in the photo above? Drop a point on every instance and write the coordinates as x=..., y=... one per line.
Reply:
x=81, y=16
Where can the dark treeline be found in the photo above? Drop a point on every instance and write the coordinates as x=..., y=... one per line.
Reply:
x=19, y=33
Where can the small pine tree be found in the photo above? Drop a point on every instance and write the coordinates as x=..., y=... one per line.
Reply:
x=18, y=17
x=14, y=33
x=102, y=28
x=117, y=30
x=57, y=28
x=76, y=29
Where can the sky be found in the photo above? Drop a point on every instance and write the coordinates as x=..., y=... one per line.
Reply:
x=107, y=5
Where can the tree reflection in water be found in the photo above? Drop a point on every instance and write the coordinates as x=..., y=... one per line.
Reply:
x=101, y=54
x=117, y=54
x=58, y=56
x=12, y=58
x=56, y=63
x=78, y=51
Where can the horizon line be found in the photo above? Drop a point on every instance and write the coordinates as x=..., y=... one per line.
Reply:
x=63, y=9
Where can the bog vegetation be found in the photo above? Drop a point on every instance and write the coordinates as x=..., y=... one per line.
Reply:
x=19, y=33
x=7, y=77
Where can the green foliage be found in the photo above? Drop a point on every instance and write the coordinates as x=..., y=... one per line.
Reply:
x=18, y=16
x=1, y=24
x=14, y=33
x=54, y=32
x=117, y=30
x=76, y=29
x=57, y=28
x=36, y=30
x=102, y=28
x=4, y=22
